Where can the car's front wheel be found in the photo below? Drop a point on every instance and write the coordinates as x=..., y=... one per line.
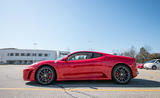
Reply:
x=121, y=74
x=45, y=75
x=154, y=67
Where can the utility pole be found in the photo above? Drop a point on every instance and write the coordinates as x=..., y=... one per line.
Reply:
x=34, y=54
x=1, y=59
x=90, y=45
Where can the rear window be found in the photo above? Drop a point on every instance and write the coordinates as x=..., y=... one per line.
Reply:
x=96, y=55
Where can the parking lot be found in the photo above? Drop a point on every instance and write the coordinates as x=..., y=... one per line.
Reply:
x=145, y=85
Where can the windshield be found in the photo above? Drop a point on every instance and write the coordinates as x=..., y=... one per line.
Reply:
x=59, y=58
x=152, y=61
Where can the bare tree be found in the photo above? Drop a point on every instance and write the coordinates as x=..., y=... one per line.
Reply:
x=131, y=52
x=143, y=55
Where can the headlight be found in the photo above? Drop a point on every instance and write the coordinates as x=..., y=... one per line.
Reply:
x=34, y=64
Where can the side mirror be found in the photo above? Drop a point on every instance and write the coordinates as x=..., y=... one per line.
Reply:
x=65, y=59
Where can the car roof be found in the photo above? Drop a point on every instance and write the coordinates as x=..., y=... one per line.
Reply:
x=90, y=51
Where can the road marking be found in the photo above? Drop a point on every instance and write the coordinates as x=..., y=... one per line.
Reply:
x=46, y=89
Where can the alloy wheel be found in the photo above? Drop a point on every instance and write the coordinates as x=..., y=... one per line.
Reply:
x=45, y=75
x=122, y=74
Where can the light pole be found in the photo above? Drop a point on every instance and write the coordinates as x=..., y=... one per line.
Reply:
x=34, y=54
x=1, y=59
x=90, y=45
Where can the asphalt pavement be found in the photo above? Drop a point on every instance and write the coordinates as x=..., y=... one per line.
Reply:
x=145, y=85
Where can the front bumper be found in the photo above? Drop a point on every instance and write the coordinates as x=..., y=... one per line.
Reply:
x=29, y=74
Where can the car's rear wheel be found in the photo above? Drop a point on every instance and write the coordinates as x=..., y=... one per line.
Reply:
x=45, y=75
x=154, y=67
x=121, y=74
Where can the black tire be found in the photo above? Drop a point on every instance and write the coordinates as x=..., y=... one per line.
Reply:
x=45, y=75
x=121, y=74
x=154, y=67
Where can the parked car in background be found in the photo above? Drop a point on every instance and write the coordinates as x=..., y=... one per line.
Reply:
x=83, y=65
x=140, y=66
x=153, y=64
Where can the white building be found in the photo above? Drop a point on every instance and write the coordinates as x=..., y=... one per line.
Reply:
x=28, y=56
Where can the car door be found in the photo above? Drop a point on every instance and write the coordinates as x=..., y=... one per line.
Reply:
x=158, y=63
x=82, y=66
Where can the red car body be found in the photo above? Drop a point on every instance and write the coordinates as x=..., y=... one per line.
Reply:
x=99, y=68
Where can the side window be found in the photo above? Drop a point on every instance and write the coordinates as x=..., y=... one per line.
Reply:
x=79, y=56
x=96, y=55
x=158, y=61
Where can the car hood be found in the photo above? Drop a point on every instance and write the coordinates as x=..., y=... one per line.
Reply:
x=43, y=62
x=46, y=61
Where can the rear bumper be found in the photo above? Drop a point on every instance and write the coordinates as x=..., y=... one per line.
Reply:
x=29, y=74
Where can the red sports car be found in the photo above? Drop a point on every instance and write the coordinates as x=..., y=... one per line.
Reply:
x=83, y=65
x=141, y=66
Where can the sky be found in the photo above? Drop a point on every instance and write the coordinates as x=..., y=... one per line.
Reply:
x=100, y=25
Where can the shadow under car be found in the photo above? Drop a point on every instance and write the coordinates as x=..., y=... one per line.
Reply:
x=94, y=84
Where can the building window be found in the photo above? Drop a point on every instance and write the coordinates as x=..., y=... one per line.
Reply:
x=11, y=62
x=11, y=54
x=8, y=54
x=22, y=54
x=46, y=55
x=64, y=53
x=34, y=54
x=40, y=54
x=20, y=62
x=28, y=54
x=17, y=54
x=30, y=62
x=25, y=61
